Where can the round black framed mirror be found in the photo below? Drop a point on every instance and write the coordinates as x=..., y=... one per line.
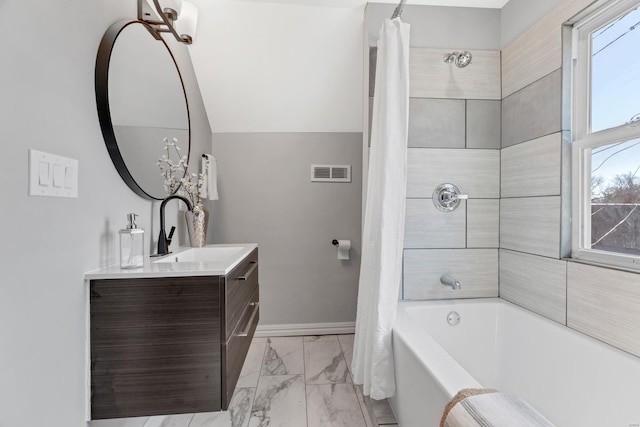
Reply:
x=141, y=100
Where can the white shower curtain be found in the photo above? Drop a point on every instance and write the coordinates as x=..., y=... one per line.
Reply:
x=383, y=234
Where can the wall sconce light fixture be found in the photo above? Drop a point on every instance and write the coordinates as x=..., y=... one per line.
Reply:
x=176, y=17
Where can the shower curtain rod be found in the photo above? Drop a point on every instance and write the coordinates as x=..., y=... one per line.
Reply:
x=398, y=11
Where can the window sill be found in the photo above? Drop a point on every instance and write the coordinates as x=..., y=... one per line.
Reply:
x=602, y=265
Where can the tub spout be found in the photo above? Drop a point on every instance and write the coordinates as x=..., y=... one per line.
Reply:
x=448, y=280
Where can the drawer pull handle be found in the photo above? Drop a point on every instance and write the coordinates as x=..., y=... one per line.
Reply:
x=245, y=331
x=249, y=271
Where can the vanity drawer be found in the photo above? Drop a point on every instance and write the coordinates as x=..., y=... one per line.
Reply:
x=239, y=286
x=234, y=351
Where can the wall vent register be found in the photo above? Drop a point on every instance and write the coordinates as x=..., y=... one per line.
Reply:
x=331, y=173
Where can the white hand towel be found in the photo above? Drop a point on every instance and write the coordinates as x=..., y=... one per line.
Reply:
x=210, y=168
x=204, y=169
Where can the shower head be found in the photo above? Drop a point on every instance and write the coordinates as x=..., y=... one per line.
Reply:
x=461, y=59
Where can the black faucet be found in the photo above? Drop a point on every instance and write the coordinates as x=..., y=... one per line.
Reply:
x=163, y=241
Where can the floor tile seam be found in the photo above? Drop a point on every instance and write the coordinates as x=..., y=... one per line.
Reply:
x=365, y=412
x=281, y=375
x=304, y=377
x=255, y=389
x=253, y=400
x=264, y=354
x=328, y=382
x=321, y=384
x=267, y=345
x=188, y=424
x=345, y=357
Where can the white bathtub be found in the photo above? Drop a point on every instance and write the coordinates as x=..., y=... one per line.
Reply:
x=572, y=379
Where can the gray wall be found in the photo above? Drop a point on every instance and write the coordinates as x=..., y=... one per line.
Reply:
x=518, y=15
x=282, y=84
x=266, y=196
x=48, y=103
x=441, y=26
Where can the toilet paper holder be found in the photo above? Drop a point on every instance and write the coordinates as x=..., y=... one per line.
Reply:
x=343, y=248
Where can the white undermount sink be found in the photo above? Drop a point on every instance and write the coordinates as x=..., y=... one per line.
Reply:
x=205, y=254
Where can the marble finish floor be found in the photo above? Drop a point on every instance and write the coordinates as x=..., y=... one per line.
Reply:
x=285, y=382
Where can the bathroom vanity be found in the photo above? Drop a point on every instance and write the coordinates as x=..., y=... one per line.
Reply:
x=171, y=337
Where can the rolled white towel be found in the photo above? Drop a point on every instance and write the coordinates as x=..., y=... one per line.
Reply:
x=489, y=408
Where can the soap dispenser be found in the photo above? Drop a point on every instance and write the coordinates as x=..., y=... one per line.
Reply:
x=131, y=244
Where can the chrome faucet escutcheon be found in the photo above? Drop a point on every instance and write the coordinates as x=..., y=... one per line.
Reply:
x=447, y=197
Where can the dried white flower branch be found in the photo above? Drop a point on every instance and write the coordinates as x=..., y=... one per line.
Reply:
x=193, y=187
x=175, y=173
x=172, y=172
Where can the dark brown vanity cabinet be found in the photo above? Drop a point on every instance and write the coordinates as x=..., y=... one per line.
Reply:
x=172, y=344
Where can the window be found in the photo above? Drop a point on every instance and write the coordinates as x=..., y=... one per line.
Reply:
x=606, y=135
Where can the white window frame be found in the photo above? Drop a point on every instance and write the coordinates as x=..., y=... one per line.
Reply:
x=583, y=140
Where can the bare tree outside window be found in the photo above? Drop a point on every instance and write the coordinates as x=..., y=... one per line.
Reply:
x=615, y=217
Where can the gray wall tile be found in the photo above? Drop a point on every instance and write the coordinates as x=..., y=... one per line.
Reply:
x=535, y=283
x=532, y=168
x=475, y=269
x=603, y=303
x=483, y=223
x=474, y=172
x=483, y=124
x=427, y=227
x=533, y=111
x=436, y=123
x=531, y=224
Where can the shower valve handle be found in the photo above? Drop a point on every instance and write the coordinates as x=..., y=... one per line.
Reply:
x=446, y=197
x=455, y=196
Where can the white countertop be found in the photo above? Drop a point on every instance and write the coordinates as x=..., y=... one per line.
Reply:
x=175, y=269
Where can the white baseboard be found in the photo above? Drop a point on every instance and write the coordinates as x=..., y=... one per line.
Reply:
x=296, y=329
